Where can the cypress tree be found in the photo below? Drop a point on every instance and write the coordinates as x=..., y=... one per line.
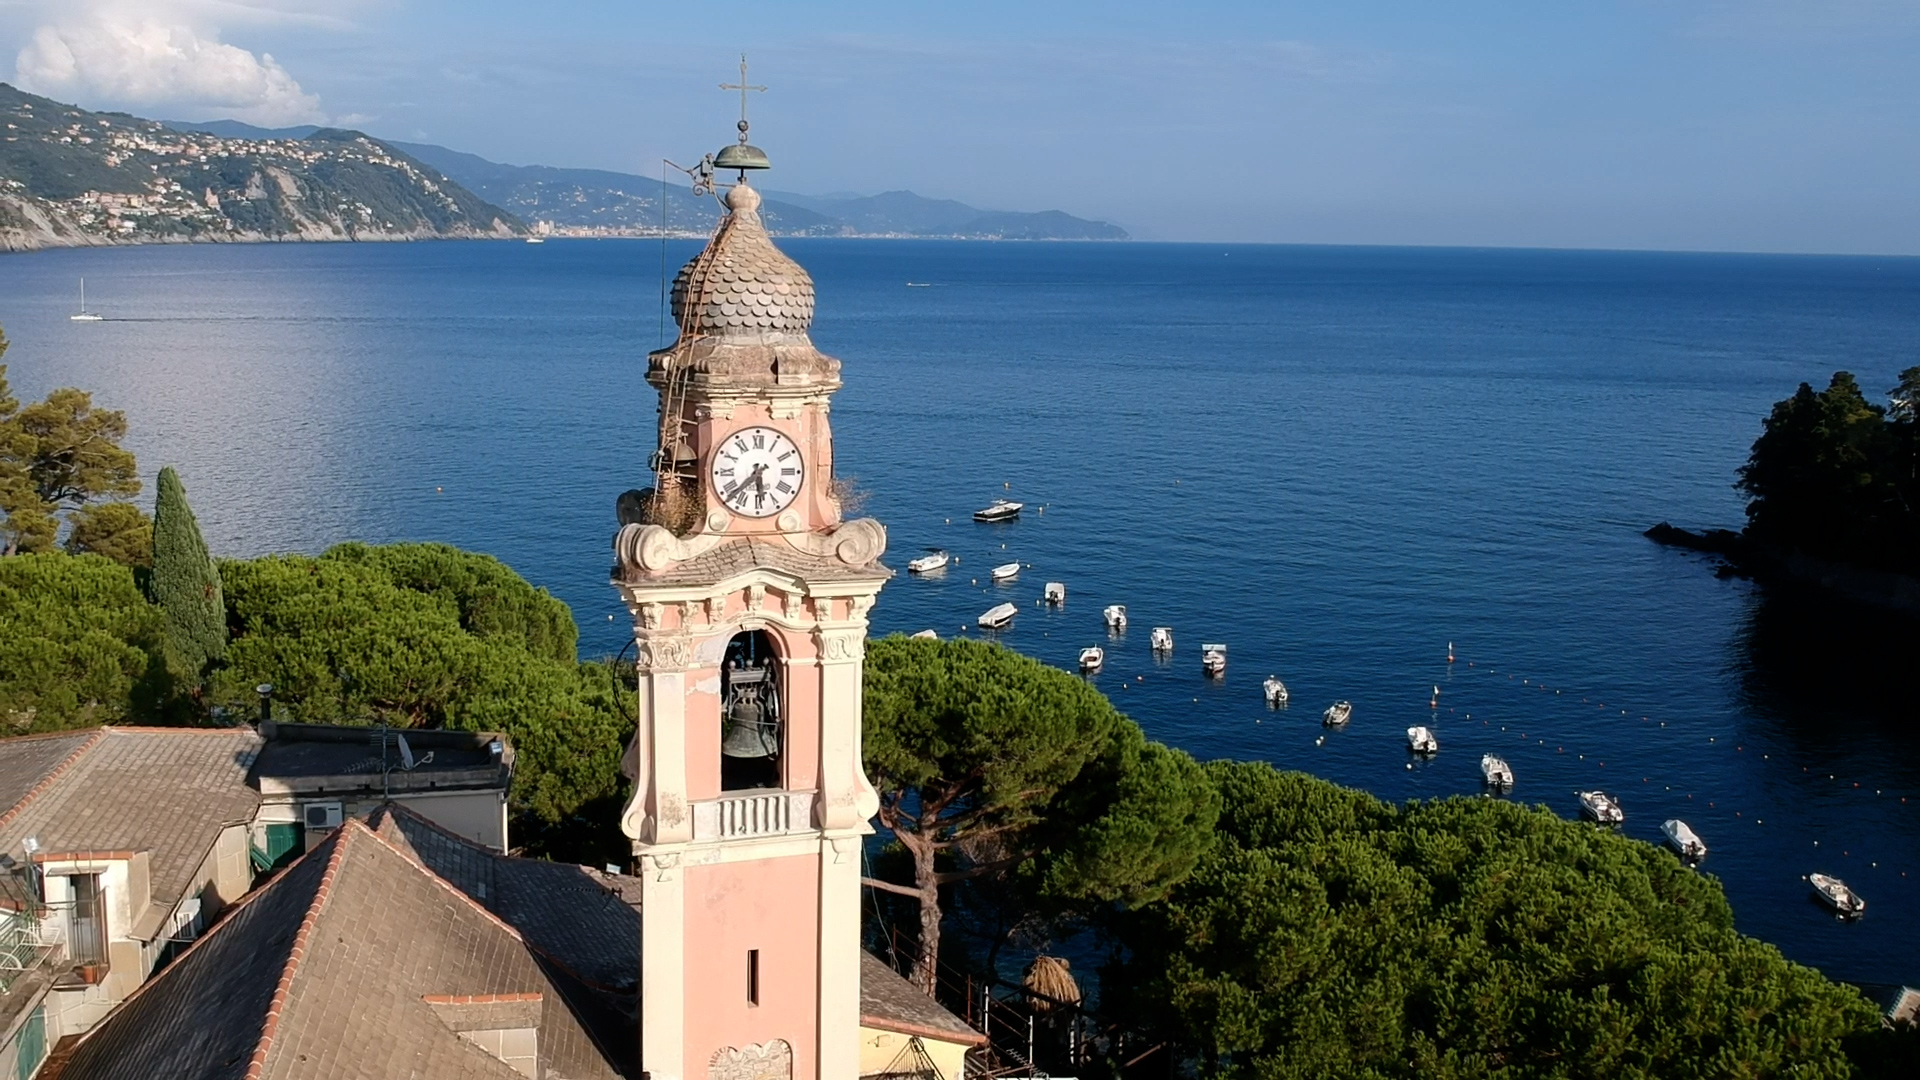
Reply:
x=185, y=583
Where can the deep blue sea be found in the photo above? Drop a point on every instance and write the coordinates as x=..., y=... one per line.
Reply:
x=1334, y=460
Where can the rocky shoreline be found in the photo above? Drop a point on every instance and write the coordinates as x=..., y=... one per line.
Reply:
x=1744, y=557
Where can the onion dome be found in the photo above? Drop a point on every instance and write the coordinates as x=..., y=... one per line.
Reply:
x=741, y=287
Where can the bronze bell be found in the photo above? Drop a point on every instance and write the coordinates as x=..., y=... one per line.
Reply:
x=742, y=156
x=750, y=732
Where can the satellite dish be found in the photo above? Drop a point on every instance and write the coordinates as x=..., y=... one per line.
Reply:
x=406, y=755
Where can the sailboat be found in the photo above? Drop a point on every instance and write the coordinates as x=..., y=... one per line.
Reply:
x=84, y=315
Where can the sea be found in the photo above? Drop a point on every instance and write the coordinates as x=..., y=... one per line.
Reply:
x=1345, y=464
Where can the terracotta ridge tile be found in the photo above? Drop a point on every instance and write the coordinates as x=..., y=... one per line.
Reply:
x=52, y=776
x=86, y=855
x=908, y=1027
x=276, y=1007
x=161, y=729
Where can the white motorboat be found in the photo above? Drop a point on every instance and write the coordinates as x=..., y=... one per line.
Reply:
x=1161, y=639
x=1092, y=657
x=1422, y=741
x=1056, y=592
x=536, y=239
x=998, y=616
x=928, y=635
x=1116, y=616
x=84, y=315
x=1337, y=713
x=934, y=559
x=1496, y=771
x=1835, y=894
x=1684, y=840
x=1001, y=510
x=1213, y=659
x=1601, y=807
x=1275, y=690
x=1006, y=571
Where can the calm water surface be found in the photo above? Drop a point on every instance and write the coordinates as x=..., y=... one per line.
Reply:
x=1334, y=460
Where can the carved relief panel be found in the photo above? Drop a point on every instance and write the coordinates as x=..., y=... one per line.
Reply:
x=771, y=1060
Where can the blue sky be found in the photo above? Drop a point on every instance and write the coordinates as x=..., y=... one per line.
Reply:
x=1756, y=125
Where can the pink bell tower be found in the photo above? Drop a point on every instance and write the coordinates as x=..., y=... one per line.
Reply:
x=749, y=596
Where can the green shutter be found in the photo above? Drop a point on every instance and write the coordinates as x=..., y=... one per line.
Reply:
x=32, y=1044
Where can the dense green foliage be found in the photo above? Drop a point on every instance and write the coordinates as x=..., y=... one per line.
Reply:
x=990, y=763
x=1331, y=934
x=116, y=530
x=1837, y=476
x=185, y=583
x=55, y=456
x=79, y=644
x=427, y=635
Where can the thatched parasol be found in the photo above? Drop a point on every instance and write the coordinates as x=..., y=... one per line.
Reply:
x=1050, y=979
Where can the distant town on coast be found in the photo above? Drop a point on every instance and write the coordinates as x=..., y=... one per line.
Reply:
x=74, y=178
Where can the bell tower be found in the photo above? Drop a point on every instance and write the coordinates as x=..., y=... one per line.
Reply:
x=749, y=596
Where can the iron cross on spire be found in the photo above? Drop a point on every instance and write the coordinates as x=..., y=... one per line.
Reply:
x=743, y=87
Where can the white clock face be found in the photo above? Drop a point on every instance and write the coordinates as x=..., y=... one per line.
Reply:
x=757, y=472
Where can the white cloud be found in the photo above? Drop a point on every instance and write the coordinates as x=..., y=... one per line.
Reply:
x=156, y=57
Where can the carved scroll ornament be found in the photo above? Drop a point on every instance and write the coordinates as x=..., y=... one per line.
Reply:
x=771, y=1060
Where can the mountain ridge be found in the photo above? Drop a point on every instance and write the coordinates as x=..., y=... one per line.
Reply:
x=71, y=177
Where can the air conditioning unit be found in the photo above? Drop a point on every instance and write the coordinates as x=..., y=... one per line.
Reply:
x=323, y=815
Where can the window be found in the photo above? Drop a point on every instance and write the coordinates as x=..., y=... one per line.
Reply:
x=87, y=921
x=753, y=976
x=750, y=714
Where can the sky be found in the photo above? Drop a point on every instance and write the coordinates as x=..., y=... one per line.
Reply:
x=1749, y=125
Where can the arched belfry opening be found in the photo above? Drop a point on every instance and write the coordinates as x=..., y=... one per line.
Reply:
x=752, y=735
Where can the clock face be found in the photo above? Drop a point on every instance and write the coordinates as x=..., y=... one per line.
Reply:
x=757, y=472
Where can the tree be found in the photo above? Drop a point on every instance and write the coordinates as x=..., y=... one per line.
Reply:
x=185, y=583
x=79, y=644
x=116, y=530
x=1822, y=479
x=56, y=455
x=991, y=764
x=1331, y=934
x=426, y=635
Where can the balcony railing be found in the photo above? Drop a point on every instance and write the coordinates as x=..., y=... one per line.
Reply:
x=753, y=813
x=30, y=939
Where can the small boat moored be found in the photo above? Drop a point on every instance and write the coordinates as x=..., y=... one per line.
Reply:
x=1834, y=893
x=1496, y=771
x=935, y=559
x=1116, y=616
x=1422, y=741
x=1001, y=510
x=84, y=315
x=1092, y=657
x=1684, y=840
x=1601, y=807
x=1161, y=639
x=1275, y=690
x=1213, y=659
x=998, y=616
x=1337, y=713
x=1056, y=592
x=1006, y=571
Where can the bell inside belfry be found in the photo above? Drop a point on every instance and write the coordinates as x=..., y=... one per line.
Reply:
x=749, y=714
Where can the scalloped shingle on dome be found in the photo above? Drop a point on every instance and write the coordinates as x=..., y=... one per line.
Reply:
x=740, y=285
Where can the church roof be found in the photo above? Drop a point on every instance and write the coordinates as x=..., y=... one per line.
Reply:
x=355, y=961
